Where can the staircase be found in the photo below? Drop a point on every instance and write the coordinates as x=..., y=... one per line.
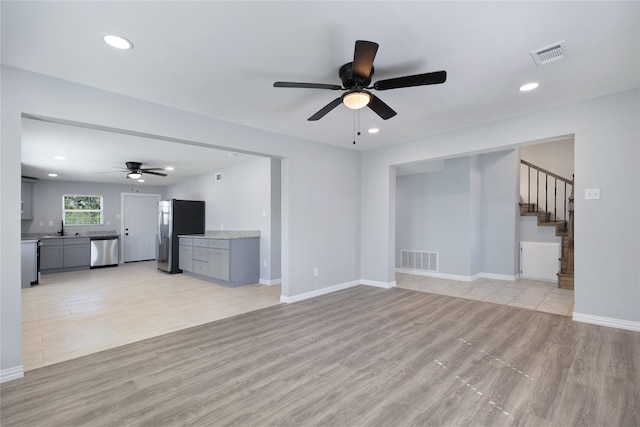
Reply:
x=547, y=214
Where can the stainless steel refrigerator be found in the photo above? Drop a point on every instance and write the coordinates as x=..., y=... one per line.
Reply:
x=176, y=217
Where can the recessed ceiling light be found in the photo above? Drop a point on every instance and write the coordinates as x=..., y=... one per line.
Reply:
x=373, y=130
x=53, y=174
x=59, y=157
x=117, y=42
x=529, y=86
x=169, y=168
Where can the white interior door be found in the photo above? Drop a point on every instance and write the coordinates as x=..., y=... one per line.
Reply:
x=140, y=219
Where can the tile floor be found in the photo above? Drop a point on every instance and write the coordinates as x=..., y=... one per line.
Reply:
x=523, y=293
x=77, y=313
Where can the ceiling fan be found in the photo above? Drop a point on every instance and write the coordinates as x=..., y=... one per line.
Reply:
x=135, y=170
x=356, y=77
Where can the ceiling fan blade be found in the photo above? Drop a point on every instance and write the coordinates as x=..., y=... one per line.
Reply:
x=152, y=169
x=363, y=56
x=436, y=77
x=145, y=172
x=324, y=110
x=307, y=85
x=380, y=108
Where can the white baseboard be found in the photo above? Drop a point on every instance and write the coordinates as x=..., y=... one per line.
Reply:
x=607, y=321
x=268, y=282
x=385, y=285
x=11, y=374
x=507, y=277
x=457, y=277
x=318, y=292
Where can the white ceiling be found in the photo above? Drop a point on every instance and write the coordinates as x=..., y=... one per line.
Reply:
x=99, y=156
x=221, y=58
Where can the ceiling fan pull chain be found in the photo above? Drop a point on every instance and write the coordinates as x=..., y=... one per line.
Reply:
x=356, y=127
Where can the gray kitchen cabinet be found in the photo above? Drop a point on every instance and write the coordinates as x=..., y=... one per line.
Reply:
x=77, y=252
x=219, y=264
x=52, y=254
x=29, y=260
x=185, y=254
x=232, y=262
x=26, y=202
x=65, y=254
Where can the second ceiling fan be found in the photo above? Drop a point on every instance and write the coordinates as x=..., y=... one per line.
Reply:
x=356, y=77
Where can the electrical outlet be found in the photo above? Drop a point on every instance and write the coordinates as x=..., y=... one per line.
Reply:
x=264, y=262
x=592, y=194
x=50, y=223
x=315, y=272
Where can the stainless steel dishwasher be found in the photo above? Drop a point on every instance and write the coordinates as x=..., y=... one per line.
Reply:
x=105, y=251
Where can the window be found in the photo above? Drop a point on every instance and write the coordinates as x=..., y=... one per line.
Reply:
x=82, y=210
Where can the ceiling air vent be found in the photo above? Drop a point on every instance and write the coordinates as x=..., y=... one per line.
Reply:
x=550, y=53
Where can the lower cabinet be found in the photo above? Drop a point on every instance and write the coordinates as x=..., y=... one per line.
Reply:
x=219, y=264
x=65, y=254
x=185, y=257
x=233, y=262
x=51, y=257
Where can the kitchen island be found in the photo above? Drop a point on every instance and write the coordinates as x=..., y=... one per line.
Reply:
x=227, y=257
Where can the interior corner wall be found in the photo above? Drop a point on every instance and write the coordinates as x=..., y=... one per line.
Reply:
x=476, y=214
x=433, y=214
x=275, y=270
x=607, y=131
x=500, y=251
x=465, y=212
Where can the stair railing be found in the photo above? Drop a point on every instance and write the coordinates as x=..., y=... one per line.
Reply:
x=541, y=174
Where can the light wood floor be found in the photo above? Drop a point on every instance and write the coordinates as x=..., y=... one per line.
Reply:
x=78, y=313
x=359, y=357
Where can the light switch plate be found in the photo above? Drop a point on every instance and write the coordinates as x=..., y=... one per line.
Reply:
x=592, y=194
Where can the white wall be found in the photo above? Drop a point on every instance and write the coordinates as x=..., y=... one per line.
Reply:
x=607, y=156
x=241, y=200
x=320, y=184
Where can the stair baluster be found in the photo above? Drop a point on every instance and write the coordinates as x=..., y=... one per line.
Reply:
x=563, y=226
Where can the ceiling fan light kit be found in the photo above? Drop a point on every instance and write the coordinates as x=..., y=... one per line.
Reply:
x=356, y=77
x=134, y=175
x=356, y=100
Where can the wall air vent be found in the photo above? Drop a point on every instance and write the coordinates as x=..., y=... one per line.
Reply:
x=550, y=53
x=418, y=260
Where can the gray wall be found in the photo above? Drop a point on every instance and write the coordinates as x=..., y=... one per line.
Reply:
x=466, y=212
x=241, y=200
x=276, y=221
x=500, y=248
x=48, y=204
x=607, y=156
x=433, y=214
